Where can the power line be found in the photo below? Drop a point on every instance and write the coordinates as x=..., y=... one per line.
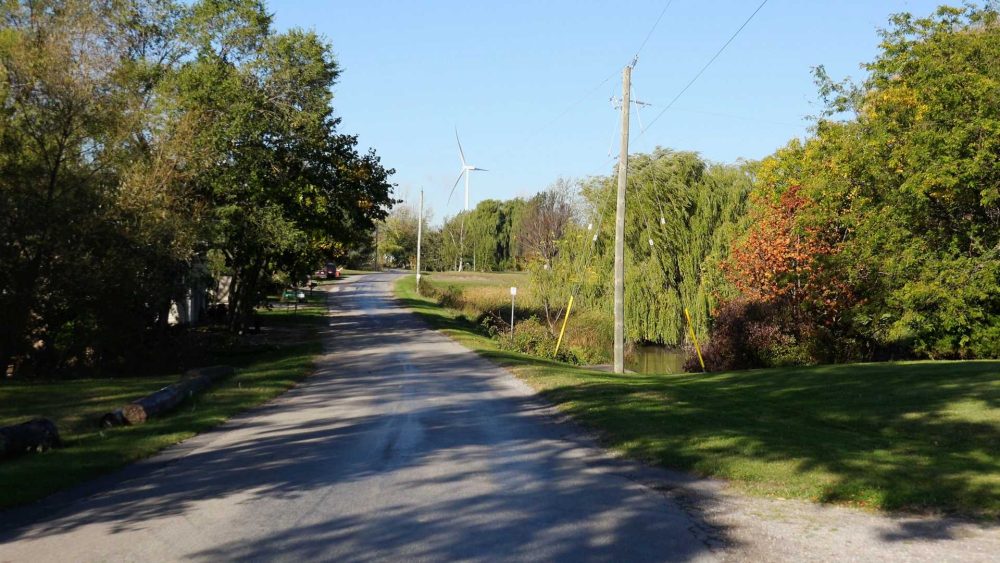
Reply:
x=600, y=210
x=741, y=117
x=704, y=68
x=651, y=30
x=605, y=81
x=568, y=109
x=590, y=91
x=509, y=152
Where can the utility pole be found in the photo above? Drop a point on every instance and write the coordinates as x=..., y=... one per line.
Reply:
x=461, y=245
x=513, y=250
x=420, y=232
x=377, y=267
x=619, y=366
x=461, y=252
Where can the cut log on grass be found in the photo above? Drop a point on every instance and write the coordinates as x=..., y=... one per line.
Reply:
x=167, y=399
x=35, y=435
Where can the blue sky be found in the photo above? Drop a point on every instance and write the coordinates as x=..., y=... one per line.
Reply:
x=528, y=84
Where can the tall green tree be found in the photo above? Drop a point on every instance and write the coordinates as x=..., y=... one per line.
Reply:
x=398, y=236
x=77, y=78
x=905, y=167
x=285, y=179
x=139, y=138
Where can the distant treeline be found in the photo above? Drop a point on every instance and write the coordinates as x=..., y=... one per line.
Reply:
x=494, y=236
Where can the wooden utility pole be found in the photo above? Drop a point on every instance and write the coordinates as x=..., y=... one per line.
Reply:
x=619, y=366
x=461, y=245
x=420, y=233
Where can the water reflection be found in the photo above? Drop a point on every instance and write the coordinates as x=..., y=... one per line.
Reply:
x=651, y=358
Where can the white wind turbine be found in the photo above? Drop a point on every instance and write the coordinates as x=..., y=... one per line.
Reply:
x=466, y=170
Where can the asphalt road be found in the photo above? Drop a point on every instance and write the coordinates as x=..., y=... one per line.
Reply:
x=406, y=446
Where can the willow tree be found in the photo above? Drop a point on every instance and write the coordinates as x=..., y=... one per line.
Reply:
x=681, y=214
x=489, y=232
x=484, y=247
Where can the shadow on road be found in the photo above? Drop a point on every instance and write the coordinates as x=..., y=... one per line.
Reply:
x=400, y=452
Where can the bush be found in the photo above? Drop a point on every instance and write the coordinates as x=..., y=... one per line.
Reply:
x=985, y=341
x=450, y=296
x=751, y=334
x=531, y=336
x=590, y=335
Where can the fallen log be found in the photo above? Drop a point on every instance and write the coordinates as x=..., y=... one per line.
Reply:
x=167, y=399
x=36, y=435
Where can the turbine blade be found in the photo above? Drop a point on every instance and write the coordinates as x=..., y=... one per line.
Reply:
x=481, y=169
x=461, y=153
x=455, y=186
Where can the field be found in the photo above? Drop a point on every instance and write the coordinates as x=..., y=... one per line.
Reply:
x=915, y=436
x=479, y=279
x=267, y=365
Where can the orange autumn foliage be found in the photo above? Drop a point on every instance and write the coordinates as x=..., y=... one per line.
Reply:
x=779, y=261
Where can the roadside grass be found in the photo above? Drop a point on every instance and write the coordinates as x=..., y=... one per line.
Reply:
x=267, y=365
x=913, y=436
x=486, y=295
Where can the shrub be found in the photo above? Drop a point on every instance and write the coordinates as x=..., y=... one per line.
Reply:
x=985, y=341
x=573, y=355
x=450, y=296
x=590, y=334
x=531, y=336
x=751, y=334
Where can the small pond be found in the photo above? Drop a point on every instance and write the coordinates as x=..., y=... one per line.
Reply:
x=651, y=358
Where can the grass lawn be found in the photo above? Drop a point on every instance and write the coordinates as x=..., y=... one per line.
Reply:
x=921, y=436
x=267, y=365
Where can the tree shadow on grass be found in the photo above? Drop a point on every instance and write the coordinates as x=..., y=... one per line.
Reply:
x=915, y=437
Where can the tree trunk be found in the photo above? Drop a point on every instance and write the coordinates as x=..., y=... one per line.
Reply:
x=243, y=293
x=6, y=354
x=235, y=287
x=35, y=435
x=167, y=399
x=16, y=320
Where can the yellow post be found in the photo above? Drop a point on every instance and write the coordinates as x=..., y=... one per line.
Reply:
x=694, y=338
x=566, y=318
